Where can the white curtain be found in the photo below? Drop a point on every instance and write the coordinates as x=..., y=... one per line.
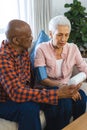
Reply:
x=37, y=13
x=8, y=11
x=41, y=16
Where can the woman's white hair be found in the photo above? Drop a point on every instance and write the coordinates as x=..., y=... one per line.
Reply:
x=58, y=20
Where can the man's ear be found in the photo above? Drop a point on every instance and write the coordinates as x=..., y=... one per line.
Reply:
x=15, y=41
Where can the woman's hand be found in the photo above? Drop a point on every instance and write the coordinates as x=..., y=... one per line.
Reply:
x=76, y=95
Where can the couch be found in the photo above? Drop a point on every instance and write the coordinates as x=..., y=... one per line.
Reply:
x=9, y=125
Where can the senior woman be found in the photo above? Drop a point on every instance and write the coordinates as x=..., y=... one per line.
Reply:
x=54, y=62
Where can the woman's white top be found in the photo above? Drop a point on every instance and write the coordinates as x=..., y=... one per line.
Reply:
x=59, y=66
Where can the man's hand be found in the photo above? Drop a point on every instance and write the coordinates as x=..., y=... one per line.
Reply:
x=69, y=91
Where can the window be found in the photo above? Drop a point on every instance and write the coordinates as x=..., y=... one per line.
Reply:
x=8, y=11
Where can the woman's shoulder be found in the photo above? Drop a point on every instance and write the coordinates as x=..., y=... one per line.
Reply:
x=72, y=45
x=43, y=45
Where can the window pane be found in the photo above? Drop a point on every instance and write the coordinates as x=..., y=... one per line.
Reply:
x=8, y=11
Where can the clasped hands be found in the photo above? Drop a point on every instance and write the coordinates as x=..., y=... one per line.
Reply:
x=70, y=91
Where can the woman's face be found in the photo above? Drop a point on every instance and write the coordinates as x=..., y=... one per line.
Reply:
x=60, y=36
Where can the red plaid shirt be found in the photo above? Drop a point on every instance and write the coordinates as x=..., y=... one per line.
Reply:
x=15, y=79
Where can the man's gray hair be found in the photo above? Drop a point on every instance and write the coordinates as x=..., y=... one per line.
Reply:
x=58, y=20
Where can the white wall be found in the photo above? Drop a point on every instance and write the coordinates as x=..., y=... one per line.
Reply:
x=58, y=6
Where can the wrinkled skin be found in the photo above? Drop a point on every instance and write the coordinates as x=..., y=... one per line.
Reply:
x=19, y=35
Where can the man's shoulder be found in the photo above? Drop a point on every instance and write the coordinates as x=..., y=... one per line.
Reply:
x=4, y=52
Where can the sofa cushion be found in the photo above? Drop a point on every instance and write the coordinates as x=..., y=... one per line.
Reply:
x=42, y=37
x=10, y=125
x=84, y=84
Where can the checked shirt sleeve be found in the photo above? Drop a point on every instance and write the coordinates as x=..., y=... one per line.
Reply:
x=17, y=91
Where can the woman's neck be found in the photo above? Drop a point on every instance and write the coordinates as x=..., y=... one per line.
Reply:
x=58, y=53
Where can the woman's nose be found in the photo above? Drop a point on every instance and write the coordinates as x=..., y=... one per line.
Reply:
x=63, y=38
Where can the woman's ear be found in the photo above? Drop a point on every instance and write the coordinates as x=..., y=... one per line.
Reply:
x=15, y=41
x=50, y=34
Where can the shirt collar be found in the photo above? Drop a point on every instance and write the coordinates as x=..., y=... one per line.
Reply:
x=10, y=49
x=65, y=49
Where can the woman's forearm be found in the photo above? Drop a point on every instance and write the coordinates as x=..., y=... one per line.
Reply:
x=50, y=82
